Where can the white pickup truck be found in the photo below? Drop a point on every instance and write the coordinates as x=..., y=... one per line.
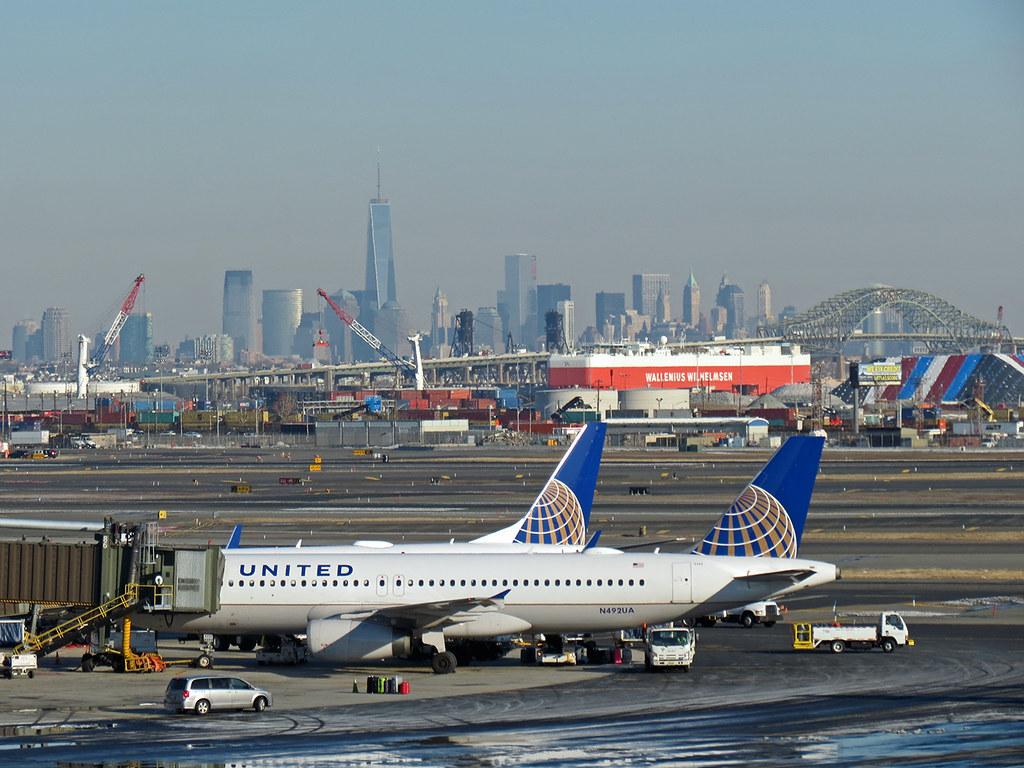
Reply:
x=890, y=632
x=670, y=647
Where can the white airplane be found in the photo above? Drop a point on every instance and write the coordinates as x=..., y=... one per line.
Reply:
x=356, y=605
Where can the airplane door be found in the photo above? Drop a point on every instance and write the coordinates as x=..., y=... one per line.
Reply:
x=399, y=585
x=382, y=586
x=682, y=584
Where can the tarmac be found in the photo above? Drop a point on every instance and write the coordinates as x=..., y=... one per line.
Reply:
x=934, y=535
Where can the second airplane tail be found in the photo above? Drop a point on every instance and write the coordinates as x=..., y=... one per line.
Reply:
x=561, y=513
x=767, y=519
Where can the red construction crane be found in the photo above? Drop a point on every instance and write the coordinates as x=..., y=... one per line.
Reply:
x=414, y=367
x=115, y=328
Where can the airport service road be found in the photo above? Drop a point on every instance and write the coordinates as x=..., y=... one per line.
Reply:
x=955, y=699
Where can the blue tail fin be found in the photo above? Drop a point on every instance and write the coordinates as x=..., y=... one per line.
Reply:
x=767, y=519
x=561, y=513
x=235, y=539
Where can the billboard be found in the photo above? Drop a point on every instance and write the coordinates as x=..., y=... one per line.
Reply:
x=881, y=374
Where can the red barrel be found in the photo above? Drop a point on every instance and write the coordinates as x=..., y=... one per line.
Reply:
x=404, y=688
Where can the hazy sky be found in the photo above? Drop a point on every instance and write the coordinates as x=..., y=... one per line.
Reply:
x=821, y=146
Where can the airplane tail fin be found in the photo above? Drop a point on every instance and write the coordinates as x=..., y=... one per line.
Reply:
x=235, y=539
x=561, y=513
x=767, y=519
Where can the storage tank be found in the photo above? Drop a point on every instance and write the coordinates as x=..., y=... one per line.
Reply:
x=653, y=400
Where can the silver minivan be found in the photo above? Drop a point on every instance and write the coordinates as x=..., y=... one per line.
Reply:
x=201, y=693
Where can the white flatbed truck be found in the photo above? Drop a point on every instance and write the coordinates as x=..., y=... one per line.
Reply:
x=888, y=633
x=670, y=647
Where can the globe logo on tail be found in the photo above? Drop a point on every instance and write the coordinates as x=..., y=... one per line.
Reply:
x=556, y=517
x=756, y=525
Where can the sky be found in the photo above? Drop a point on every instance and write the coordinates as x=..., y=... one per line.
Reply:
x=820, y=146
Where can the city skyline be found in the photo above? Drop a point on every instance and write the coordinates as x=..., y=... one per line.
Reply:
x=803, y=160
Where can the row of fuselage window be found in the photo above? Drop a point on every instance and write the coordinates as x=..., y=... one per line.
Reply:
x=428, y=583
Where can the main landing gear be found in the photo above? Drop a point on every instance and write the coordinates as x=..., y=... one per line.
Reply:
x=443, y=662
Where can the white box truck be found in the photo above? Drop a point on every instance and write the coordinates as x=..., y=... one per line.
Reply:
x=889, y=632
x=670, y=647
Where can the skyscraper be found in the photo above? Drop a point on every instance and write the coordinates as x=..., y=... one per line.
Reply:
x=340, y=337
x=239, y=311
x=730, y=297
x=440, y=343
x=21, y=339
x=567, y=309
x=608, y=307
x=764, y=302
x=520, y=297
x=282, y=313
x=691, y=302
x=137, y=339
x=56, y=334
x=646, y=288
x=380, y=256
x=664, y=308
x=548, y=297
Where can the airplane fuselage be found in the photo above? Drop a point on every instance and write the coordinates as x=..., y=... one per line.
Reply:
x=280, y=591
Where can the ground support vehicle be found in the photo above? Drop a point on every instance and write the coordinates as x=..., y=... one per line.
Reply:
x=282, y=649
x=763, y=612
x=12, y=664
x=890, y=631
x=670, y=647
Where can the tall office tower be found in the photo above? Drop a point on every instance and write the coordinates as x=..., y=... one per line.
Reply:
x=567, y=309
x=56, y=334
x=339, y=335
x=548, y=297
x=21, y=339
x=380, y=255
x=440, y=341
x=730, y=296
x=137, y=340
x=488, y=330
x=608, y=307
x=664, y=308
x=239, y=311
x=718, y=319
x=691, y=302
x=521, y=297
x=393, y=328
x=282, y=313
x=646, y=288
x=764, y=302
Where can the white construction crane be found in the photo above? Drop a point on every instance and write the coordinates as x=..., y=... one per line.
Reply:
x=87, y=367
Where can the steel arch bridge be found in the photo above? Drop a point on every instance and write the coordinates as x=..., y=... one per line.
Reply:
x=827, y=326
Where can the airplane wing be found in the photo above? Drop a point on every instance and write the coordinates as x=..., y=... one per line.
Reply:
x=429, y=616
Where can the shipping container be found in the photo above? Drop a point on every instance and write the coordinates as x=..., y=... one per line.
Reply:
x=157, y=417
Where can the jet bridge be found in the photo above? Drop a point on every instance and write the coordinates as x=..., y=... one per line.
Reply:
x=75, y=590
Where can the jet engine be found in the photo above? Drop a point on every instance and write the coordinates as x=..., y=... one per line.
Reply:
x=345, y=640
